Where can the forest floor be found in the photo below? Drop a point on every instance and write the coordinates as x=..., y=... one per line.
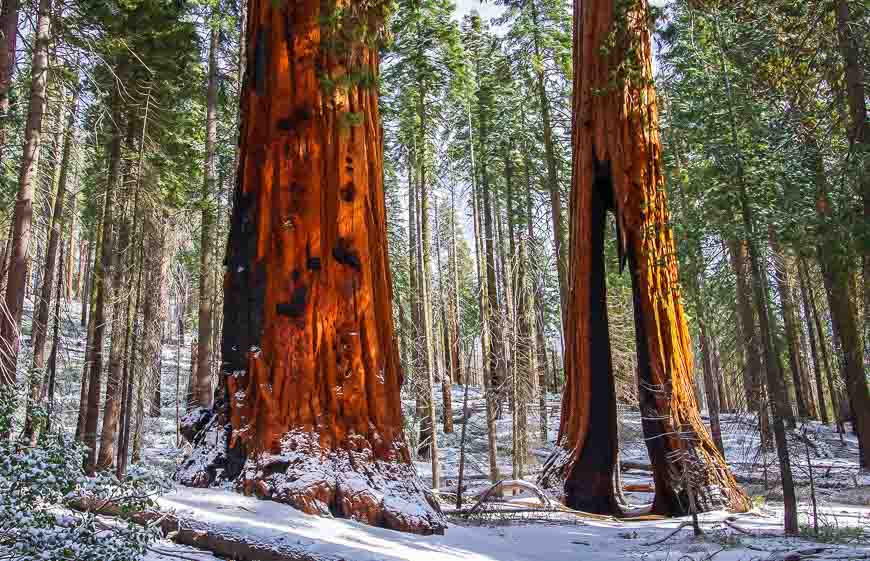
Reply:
x=842, y=492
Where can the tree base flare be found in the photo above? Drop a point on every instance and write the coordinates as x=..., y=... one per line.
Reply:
x=346, y=481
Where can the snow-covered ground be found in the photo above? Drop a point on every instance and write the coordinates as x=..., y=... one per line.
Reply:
x=842, y=490
x=286, y=530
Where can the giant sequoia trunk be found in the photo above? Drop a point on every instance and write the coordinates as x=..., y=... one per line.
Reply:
x=617, y=166
x=311, y=371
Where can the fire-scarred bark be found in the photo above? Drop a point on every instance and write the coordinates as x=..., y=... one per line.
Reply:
x=311, y=372
x=617, y=166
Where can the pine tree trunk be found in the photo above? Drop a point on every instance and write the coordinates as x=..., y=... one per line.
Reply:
x=40, y=324
x=783, y=283
x=10, y=319
x=102, y=287
x=9, y=28
x=747, y=332
x=447, y=374
x=85, y=282
x=483, y=307
x=71, y=245
x=835, y=268
x=453, y=309
x=526, y=359
x=711, y=386
x=540, y=349
x=203, y=390
x=617, y=166
x=51, y=374
x=809, y=313
x=310, y=365
x=777, y=397
x=848, y=34
x=560, y=234
x=88, y=302
x=118, y=344
x=154, y=308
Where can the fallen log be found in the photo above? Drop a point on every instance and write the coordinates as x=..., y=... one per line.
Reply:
x=198, y=535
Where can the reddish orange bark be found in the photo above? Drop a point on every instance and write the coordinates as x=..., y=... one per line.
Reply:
x=311, y=366
x=617, y=166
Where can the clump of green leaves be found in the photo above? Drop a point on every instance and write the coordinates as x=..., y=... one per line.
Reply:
x=36, y=486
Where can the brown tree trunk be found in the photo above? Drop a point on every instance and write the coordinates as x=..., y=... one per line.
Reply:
x=85, y=279
x=835, y=268
x=453, y=297
x=9, y=28
x=483, y=307
x=203, y=390
x=70, y=249
x=311, y=368
x=10, y=318
x=118, y=344
x=809, y=314
x=617, y=166
x=747, y=332
x=525, y=359
x=447, y=374
x=102, y=288
x=560, y=234
x=88, y=302
x=711, y=386
x=784, y=286
x=777, y=398
x=40, y=324
x=51, y=373
x=859, y=134
x=154, y=312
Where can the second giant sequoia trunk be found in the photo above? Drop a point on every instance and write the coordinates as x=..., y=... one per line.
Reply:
x=617, y=166
x=311, y=371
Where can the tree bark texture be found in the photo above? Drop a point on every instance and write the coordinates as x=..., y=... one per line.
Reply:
x=102, y=288
x=10, y=317
x=617, y=166
x=9, y=28
x=40, y=324
x=311, y=367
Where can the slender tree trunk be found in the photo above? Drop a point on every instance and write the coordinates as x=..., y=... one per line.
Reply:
x=859, y=134
x=711, y=386
x=88, y=302
x=747, y=332
x=87, y=273
x=540, y=348
x=40, y=324
x=71, y=245
x=453, y=309
x=307, y=296
x=777, y=397
x=835, y=268
x=526, y=359
x=48, y=389
x=560, y=234
x=118, y=344
x=203, y=391
x=784, y=285
x=446, y=375
x=10, y=317
x=809, y=313
x=9, y=28
x=483, y=306
x=617, y=166
x=154, y=314
x=131, y=367
x=102, y=287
